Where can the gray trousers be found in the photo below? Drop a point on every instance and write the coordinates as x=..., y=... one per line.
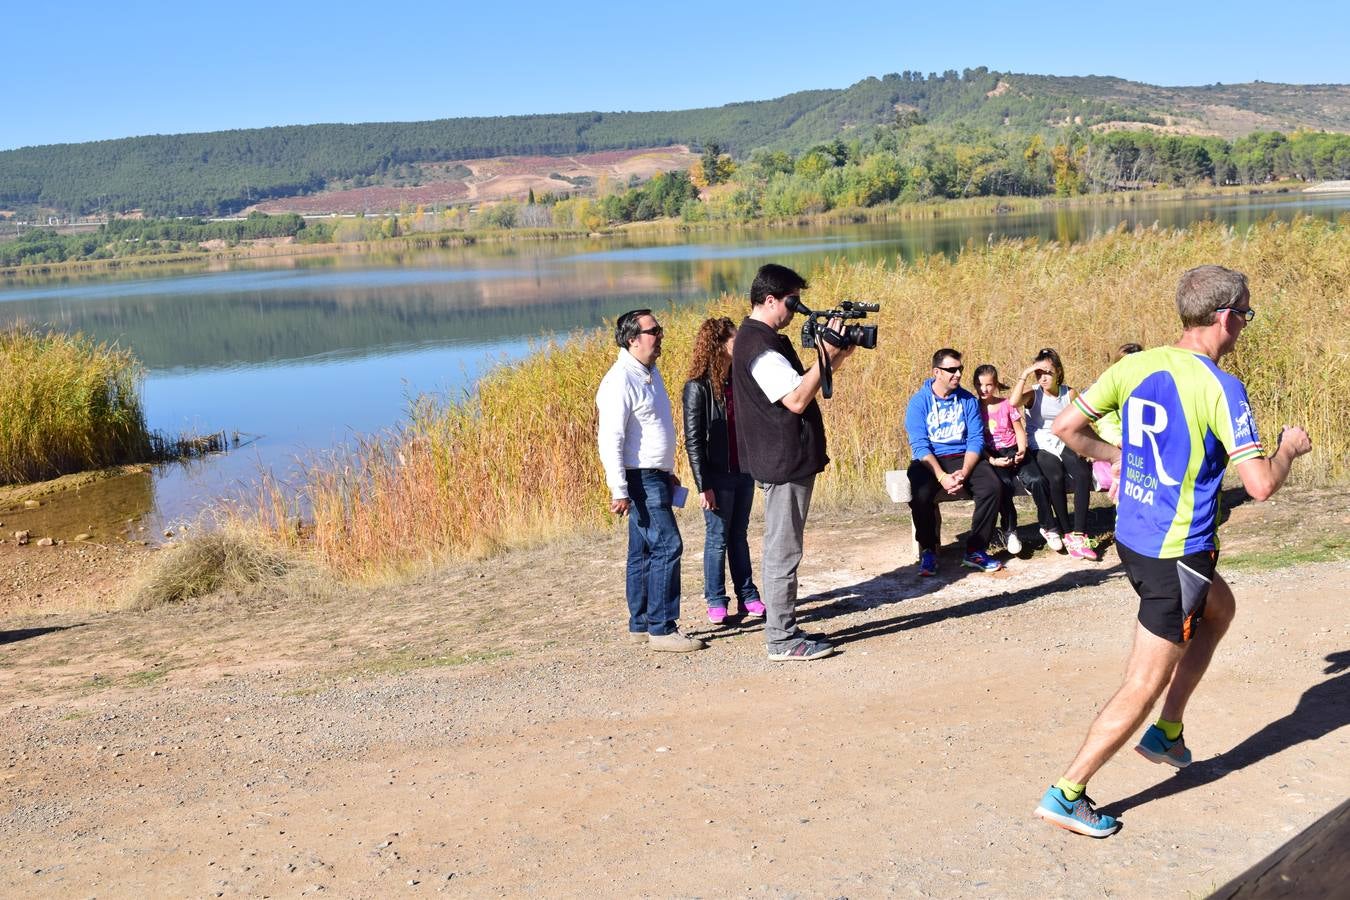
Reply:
x=785, y=508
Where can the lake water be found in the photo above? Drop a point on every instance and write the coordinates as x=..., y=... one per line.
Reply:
x=301, y=358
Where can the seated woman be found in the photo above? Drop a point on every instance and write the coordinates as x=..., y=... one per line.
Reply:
x=725, y=492
x=1043, y=402
x=1005, y=446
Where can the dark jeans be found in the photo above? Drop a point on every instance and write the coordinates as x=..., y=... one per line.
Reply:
x=654, y=548
x=725, y=544
x=1055, y=468
x=924, y=489
x=1029, y=474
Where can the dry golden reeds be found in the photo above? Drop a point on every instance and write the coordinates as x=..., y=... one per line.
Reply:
x=516, y=463
x=67, y=404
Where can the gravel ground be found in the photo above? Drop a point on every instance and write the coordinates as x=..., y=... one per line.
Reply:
x=487, y=729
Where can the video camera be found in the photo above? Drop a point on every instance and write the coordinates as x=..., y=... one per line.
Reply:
x=817, y=325
x=817, y=328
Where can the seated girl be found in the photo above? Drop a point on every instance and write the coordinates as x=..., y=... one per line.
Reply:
x=1043, y=401
x=1005, y=446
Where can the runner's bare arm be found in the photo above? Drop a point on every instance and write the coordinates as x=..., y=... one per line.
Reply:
x=1263, y=476
x=1074, y=429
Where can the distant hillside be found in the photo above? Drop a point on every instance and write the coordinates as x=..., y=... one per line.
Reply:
x=223, y=172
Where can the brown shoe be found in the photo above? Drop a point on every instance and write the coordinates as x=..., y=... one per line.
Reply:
x=674, y=643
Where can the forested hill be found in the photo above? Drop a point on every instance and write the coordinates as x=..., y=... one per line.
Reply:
x=222, y=172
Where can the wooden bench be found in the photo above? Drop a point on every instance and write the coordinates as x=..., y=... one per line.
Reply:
x=964, y=494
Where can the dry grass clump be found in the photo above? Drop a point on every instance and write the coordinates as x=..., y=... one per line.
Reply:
x=227, y=559
x=516, y=463
x=67, y=405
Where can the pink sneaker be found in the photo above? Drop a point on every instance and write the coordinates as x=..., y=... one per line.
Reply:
x=717, y=614
x=754, y=609
x=1079, y=547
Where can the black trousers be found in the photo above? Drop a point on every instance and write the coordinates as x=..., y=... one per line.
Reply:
x=1030, y=475
x=924, y=489
x=1055, y=468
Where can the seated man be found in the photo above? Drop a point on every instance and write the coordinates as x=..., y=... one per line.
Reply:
x=946, y=437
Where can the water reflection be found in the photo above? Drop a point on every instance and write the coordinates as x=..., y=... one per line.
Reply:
x=307, y=351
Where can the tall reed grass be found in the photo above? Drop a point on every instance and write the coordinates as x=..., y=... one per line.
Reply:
x=516, y=462
x=67, y=404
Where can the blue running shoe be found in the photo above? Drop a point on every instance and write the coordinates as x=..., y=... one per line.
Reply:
x=928, y=563
x=1155, y=747
x=1075, y=815
x=978, y=559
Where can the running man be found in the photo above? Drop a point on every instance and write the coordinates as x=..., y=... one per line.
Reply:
x=1184, y=419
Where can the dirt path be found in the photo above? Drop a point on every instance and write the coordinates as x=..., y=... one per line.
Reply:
x=488, y=730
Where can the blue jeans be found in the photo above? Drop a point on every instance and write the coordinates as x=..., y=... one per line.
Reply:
x=654, y=548
x=725, y=543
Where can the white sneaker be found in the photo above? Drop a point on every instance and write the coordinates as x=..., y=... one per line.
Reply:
x=1053, y=540
x=1012, y=542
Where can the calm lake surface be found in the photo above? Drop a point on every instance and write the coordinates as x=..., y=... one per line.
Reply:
x=303, y=358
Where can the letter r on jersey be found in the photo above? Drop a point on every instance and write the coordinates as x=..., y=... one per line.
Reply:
x=1136, y=410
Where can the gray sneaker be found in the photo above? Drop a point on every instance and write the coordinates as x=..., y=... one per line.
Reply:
x=637, y=637
x=802, y=651
x=674, y=643
x=1012, y=542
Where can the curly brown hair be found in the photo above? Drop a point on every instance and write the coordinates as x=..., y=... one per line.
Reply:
x=710, y=362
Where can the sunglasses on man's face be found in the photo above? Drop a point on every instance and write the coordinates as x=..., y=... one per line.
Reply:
x=1247, y=314
x=951, y=370
x=654, y=331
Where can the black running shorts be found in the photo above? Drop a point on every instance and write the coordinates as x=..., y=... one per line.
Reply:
x=1171, y=592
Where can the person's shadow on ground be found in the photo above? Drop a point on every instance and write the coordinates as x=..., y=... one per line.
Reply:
x=23, y=634
x=1322, y=709
x=900, y=585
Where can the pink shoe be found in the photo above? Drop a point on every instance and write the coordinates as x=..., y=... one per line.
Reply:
x=1079, y=547
x=753, y=609
x=717, y=614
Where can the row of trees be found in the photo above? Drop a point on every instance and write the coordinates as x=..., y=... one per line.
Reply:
x=922, y=162
x=136, y=237
x=926, y=162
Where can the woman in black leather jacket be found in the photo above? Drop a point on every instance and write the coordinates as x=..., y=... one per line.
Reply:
x=725, y=493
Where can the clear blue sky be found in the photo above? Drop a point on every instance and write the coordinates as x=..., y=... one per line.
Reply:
x=83, y=70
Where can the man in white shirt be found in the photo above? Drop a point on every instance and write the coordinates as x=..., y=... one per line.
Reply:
x=636, y=438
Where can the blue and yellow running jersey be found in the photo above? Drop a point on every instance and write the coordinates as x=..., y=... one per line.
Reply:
x=1183, y=420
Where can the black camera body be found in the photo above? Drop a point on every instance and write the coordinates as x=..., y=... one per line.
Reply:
x=817, y=325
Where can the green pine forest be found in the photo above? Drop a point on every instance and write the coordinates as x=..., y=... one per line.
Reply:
x=219, y=173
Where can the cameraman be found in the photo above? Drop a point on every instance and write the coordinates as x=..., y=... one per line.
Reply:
x=780, y=439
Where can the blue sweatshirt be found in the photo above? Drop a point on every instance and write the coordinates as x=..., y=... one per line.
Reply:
x=943, y=426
